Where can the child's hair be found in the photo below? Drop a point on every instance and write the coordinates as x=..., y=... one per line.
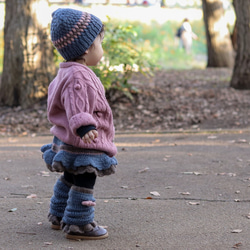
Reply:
x=74, y=31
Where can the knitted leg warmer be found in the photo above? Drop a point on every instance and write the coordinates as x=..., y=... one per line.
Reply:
x=76, y=213
x=59, y=199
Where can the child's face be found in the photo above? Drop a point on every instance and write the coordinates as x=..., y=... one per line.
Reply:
x=95, y=53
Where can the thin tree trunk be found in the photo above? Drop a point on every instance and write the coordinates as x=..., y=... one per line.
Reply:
x=241, y=73
x=219, y=46
x=28, y=54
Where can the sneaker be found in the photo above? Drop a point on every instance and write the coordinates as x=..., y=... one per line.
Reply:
x=87, y=232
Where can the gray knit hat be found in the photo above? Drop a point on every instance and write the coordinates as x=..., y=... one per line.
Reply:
x=73, y=31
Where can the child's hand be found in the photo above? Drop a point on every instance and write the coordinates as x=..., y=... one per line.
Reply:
x=90, y=136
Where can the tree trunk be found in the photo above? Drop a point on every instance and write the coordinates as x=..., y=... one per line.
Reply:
x=241, y=73
x=28, y=54
x=219, y=46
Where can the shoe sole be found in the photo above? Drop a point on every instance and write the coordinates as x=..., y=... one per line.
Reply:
x=84, y=237
x=56, y=227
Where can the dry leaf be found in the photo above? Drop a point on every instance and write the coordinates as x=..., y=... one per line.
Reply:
x=48, y=243
x=192, y=173
x=143, y=170
x=166, y=157
x=212, y=137
x=31, y=196
x=104, y=227
x=227, y=174
x=44, y=173
x=241, y=141
x=193, y=203
x=236, y=231
x=237, y=245
x=184, y=193
x=155, y=193
x=12, y=210
x=156, y=141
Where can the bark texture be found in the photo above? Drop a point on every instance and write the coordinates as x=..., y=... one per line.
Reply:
x=219, y=45
x=28, y=53
x=241, y=73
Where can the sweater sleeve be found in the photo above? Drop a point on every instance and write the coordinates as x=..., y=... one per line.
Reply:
x=79, y=100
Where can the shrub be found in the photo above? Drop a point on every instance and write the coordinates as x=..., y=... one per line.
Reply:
x=122, y=57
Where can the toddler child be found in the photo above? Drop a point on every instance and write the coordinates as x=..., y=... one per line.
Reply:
x=82, y=120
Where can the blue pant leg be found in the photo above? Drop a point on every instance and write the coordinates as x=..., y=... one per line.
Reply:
x=76, y=213
x=59, y=199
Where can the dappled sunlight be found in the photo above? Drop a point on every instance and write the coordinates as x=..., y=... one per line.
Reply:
x=42, y=13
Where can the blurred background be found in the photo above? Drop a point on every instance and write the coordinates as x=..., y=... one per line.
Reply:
x=155, y=23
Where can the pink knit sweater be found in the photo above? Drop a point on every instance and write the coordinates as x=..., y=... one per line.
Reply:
x=76, y=97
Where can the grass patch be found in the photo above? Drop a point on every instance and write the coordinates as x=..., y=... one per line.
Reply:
x=163, y=47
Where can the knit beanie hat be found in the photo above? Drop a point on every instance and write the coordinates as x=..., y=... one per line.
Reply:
x=73, y=31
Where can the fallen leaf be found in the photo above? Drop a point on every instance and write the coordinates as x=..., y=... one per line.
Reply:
x=31, y=196
x=44, y=173
x=48, y=243
x=236, y=231
x=12, y=210
x=156, y=141
x=237, y=245
x=166, y=157
x=192, y=173
x=184, y=193
x=227, y=174
x=193, y=203
x=212, y=137
x=149, y=198
x=241, y=141
x=143, y=170
x=104, y=227
x=155, y=193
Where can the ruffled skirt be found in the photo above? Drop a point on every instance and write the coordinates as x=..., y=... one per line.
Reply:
x=60, y=157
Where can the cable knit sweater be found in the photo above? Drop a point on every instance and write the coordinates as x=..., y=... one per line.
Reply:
x=76, y=98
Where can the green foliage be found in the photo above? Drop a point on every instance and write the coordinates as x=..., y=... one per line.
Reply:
x=164, y=48
x=123, y=55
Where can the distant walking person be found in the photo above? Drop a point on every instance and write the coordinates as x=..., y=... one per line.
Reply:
x=186, y=35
